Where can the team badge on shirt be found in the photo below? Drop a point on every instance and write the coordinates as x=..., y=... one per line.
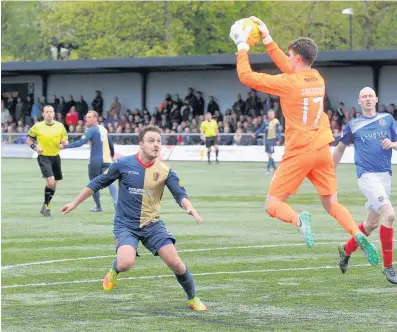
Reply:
x=156, y=176
x=382, y=122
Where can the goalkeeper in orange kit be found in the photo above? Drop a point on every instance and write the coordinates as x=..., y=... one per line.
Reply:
x=307, y=132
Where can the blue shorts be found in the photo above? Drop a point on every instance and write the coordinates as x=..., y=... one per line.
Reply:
x=95, y=170
x=153, y=237
x=269, y=147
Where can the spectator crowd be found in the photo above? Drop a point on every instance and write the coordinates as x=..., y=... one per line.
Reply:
x=176, y=117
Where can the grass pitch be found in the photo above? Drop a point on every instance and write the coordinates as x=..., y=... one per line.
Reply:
x=253, y=272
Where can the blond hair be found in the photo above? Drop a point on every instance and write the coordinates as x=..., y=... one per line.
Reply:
x=94, y=113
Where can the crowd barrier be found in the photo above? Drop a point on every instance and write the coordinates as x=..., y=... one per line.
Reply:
x=253, y=153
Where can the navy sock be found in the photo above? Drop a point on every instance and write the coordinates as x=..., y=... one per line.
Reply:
x=269, y=164
x=115, y=265
x=97, y=200
x=187, y=282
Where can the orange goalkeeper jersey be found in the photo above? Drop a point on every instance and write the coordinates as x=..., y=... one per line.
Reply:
x=307, y=127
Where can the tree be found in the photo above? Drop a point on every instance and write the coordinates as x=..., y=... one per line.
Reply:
x=168, y=28
x=20, y=25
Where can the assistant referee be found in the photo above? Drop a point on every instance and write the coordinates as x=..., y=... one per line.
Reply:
x=209, y=128
x=49, y=135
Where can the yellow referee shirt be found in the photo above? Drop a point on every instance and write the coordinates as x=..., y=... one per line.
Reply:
x=49, y=137
x=209, y=128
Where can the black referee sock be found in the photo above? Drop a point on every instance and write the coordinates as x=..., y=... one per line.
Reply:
x=216, y=153
x=48, y=194
x=209, y=155
x=51, y=195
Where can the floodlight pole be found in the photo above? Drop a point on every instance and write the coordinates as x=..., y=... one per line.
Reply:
x=351, y=31
x=349, y=11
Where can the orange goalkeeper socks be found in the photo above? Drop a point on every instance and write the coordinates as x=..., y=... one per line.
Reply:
x=283, y=211
x=344, y=218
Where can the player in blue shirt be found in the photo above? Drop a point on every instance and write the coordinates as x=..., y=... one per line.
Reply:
x=271, y=138
x=374, y=136
x=142, y=179
x=102, y=152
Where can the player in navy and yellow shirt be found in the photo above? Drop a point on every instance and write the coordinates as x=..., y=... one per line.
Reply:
x=142, y=178
x=49, y=135
x=272, y=137
x=102, y=152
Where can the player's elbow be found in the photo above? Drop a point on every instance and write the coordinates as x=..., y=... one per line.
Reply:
x=245, y=77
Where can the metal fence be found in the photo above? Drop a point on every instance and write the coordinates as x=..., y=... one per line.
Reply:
x=168, y=139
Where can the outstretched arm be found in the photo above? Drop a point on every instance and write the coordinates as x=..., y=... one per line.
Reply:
x=83, y=140
x=100, y=182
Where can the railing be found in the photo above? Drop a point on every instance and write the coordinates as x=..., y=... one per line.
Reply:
x=168, y=139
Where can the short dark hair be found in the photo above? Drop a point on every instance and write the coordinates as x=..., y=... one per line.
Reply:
x=306, y=48
x=146, y=129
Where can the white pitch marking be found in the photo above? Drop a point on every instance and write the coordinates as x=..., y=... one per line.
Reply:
x=326, y=267
x=180, y=251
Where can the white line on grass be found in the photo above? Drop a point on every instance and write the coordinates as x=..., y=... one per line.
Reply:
x=180, y=251
x=326, y=267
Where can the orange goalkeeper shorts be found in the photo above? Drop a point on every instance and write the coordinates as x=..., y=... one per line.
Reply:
x=317, y=166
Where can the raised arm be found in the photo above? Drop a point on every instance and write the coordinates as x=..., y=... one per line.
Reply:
x=278, y=57
x=274, y=84
x=275, y=52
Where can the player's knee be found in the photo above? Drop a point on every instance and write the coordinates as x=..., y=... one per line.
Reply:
x=269, y=209
x=371, y=224
x=51, y=184
x=176, y=265
x=124, y=263
x=389, y=219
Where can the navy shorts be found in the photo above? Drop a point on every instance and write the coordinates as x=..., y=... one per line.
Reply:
x=269, y=148
x=269, y=145
x=95, y=170
x=153, y=237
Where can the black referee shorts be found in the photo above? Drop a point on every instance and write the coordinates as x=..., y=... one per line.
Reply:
x=50, y=166
x=210, y=141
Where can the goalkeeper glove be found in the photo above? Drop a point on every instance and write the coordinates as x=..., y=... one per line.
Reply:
x=267, y=39
x=240, y=36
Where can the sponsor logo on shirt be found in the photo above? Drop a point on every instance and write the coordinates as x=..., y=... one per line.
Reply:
x=143, y=192
x=374, y=135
